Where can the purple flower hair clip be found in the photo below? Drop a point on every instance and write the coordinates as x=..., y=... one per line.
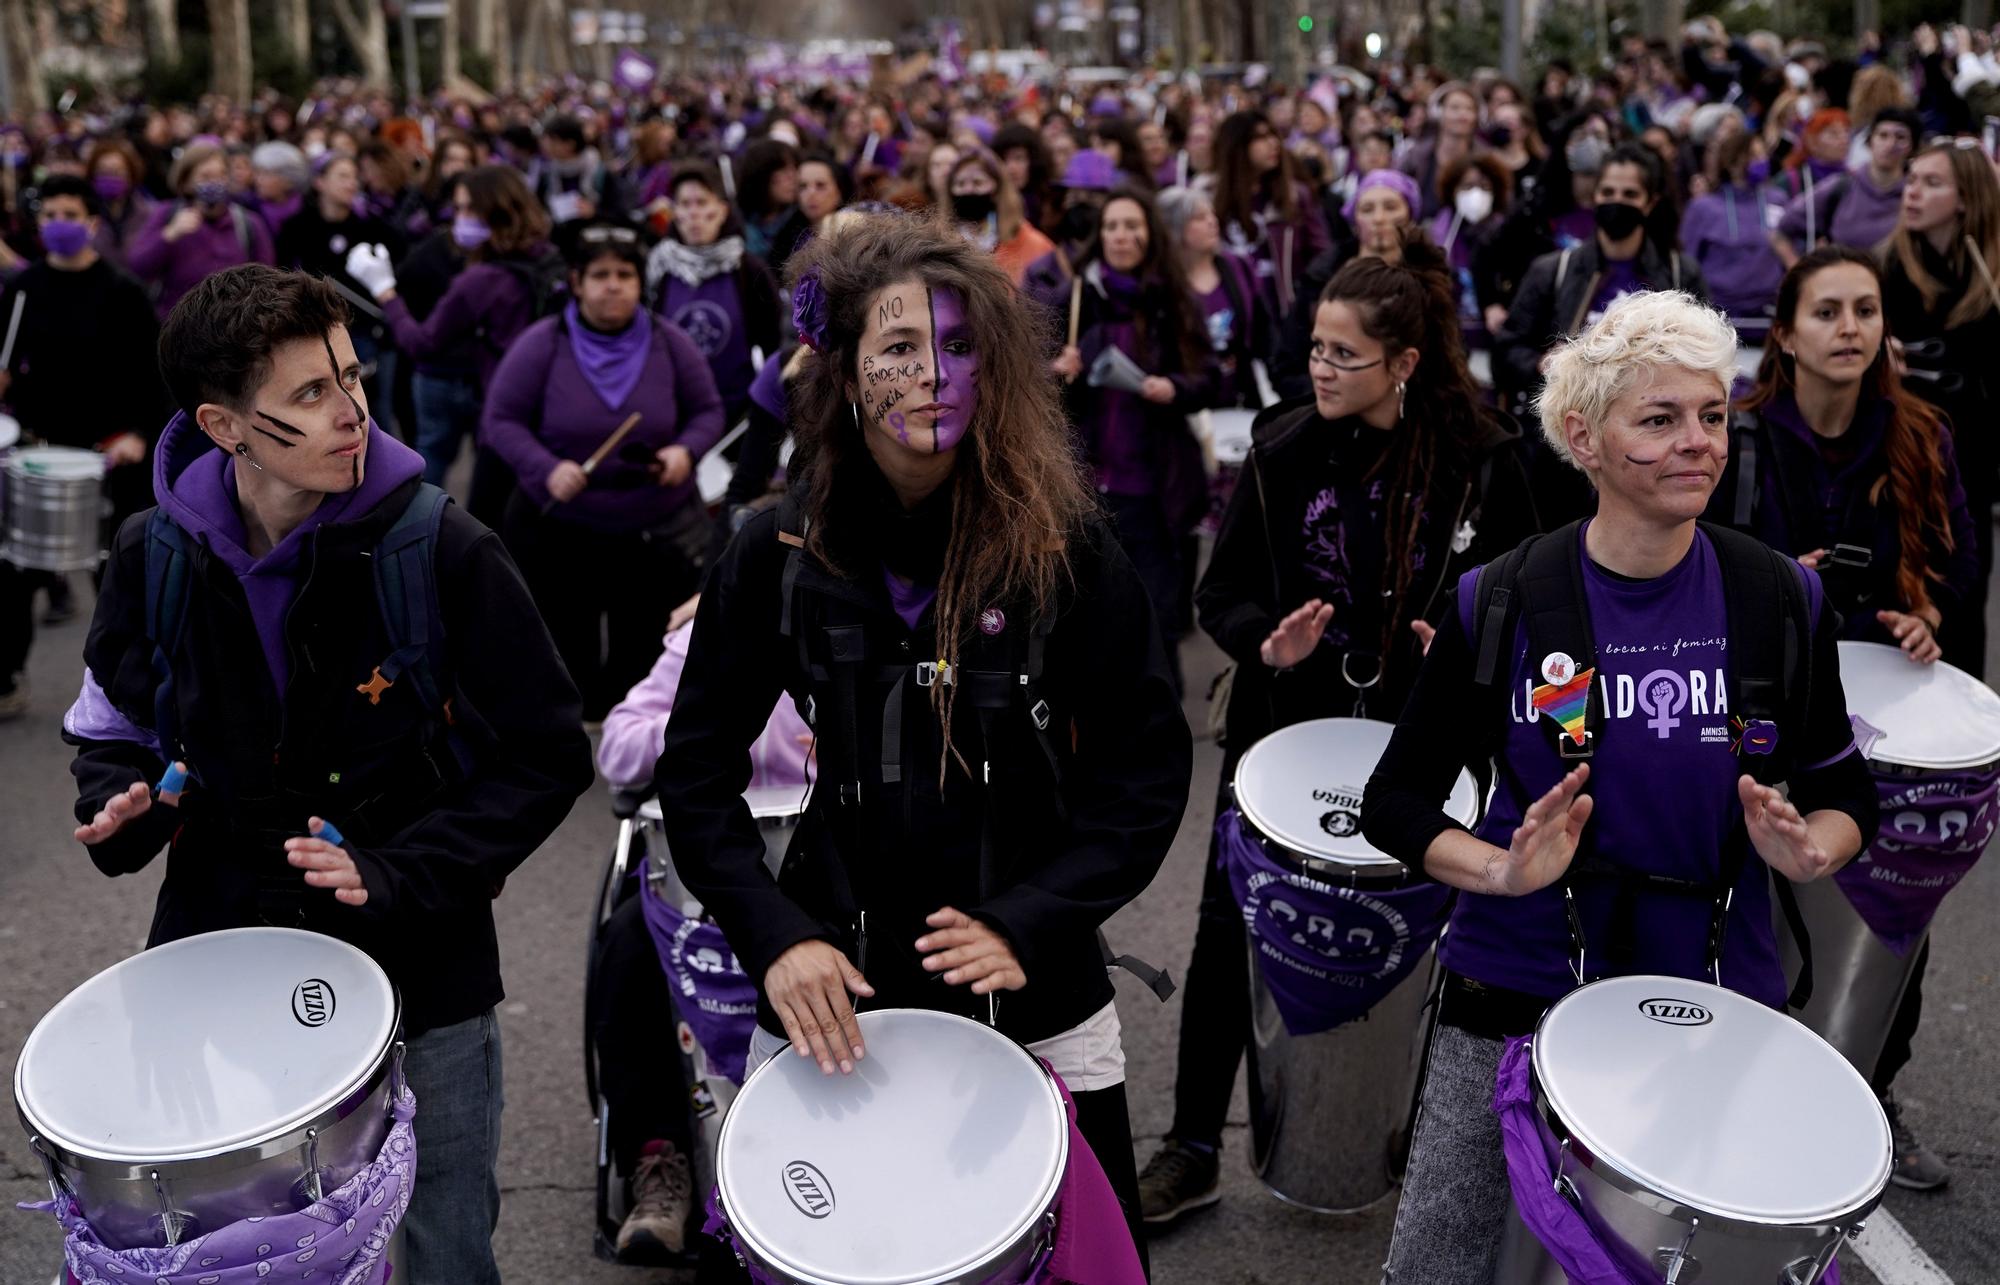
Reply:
x=809, y=311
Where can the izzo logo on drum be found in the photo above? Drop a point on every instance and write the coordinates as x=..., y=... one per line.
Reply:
x=1344, y=820
x=312, y=1002
x=808, y=1188
x=1675, y=1012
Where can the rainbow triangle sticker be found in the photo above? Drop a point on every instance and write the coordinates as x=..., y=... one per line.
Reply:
x=1566, y=702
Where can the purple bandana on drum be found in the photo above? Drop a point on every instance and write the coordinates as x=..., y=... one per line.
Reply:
x=712, y=994
x=1560, y=1226
x=340, y=1239
x=1328, y=954
x=1934, y=827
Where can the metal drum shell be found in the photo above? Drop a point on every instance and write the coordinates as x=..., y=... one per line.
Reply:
x=53, y=519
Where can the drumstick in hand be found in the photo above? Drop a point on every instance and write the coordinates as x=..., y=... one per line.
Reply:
x=610, y=444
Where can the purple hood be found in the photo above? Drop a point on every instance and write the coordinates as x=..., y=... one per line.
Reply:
x=195, y=484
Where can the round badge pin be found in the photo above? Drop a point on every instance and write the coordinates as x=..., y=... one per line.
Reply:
x=992, y=621
x=1558, y=668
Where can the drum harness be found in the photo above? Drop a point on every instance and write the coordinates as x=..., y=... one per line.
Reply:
x=1542, y=581
x=404, y=566
x=1000, y=681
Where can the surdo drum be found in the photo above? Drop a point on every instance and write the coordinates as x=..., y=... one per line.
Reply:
x=776, y=809
x=1699, y=1137
x=54, y=508
x=939, y=1160
x=1340, y=937
x=1931, y=734
x=238, y=1074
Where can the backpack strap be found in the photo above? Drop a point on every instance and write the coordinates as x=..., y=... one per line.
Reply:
x=1674, y=265
x=406, y=591
x=1550, y=584
x=1562, y=271
x=240, y=220
x=1743, y=455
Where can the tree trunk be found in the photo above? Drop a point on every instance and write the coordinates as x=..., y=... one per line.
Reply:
x=367, y=30
x=556, y=14
x=297, y=16
x=503, y=43
x=229, y=48
x=27, y=89
x=448, y=46
x=163, y=31
x=480, y=21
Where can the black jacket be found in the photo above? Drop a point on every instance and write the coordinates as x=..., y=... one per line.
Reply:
x=1545, y=309
x=1258, y=573
x=435, y=823
x=1064, y=858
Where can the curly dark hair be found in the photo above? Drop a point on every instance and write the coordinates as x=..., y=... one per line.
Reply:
x=216, y=344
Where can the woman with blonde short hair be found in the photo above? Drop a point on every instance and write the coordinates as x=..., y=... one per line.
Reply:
x=1584, y=866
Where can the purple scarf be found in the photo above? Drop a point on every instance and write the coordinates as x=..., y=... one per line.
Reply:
x=612, y=363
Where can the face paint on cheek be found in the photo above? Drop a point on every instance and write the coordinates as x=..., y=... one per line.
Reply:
x=1633, y=459
x=957, y=372
x=900, y=426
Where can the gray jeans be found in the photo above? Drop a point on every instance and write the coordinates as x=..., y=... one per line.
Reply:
x=1455, y=1196
x=455, y=1203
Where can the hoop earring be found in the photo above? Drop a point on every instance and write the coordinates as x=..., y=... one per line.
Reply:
x=855, y=408
x=1402, y=391
x=243, y=453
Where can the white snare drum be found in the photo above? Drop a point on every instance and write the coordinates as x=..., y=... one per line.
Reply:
x=1701, y=1135
x=776, y=809
x=1329, y=1111
x=238, y=1074
x=939, y=1160
x=1935, y=717
x=55, y=501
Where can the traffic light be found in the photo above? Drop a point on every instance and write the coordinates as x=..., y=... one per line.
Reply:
x=1306, y=23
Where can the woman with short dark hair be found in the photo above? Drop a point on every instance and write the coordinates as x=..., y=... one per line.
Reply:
x=722, y=297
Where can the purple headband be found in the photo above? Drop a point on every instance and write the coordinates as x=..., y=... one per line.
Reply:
x=1395, y=180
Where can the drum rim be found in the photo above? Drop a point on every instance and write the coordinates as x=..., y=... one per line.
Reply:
x=1382, y=868
x=1618, y=1175
x=765, y=815
x=1989, y=759
x=19, y=458
x=277, y=1141
x=997, y=1252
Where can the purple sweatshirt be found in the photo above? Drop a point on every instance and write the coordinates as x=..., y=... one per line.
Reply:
x=1726, y=232
x=219, y=243
x=196, y=485
x=484, y=297
x=1863, y=215
x=541, y=410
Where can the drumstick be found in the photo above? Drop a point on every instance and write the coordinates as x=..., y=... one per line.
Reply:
x=1075, y=307
x=13, y=329
x=610, y=443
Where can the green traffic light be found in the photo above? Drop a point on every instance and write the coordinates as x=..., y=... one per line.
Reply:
x=1305, y=22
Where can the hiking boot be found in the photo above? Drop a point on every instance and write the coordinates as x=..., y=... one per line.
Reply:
x=1178, y=1179
x=1917, y=1166
x=14, y=699
x=656, y=1227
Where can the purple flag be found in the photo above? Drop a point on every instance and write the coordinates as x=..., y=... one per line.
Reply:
x=712, y=993
x=1934, y=828
x=1328, y=953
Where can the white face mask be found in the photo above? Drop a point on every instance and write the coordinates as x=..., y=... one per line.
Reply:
x=1474, y=204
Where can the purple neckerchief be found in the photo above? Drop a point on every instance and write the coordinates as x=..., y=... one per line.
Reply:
x=341, y=1239
x=1561, y=1228
x=712, y=994
x=1092, y=1245
x=1327, y=954
x=1934, y=829
x=611, y=364
x=910, y=600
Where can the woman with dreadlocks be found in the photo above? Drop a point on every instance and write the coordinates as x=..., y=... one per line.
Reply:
x=1354, y=516
x=1002, y=761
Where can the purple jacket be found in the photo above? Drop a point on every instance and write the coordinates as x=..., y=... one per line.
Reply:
x=238, y=237
x=1726, y=233
x=541, y=410
x=486, y=302
x=1847, y=209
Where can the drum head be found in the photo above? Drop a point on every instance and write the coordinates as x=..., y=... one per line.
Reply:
x=63, y=463
x=1931, y=716
x=10, y=430
x=777, y=802
x=939, y=1153
x=1301, y=788
x=1712, y=1100
x=206, y=1045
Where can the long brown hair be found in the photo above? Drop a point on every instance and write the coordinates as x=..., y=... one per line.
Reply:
x=1238, y=188
x=1163, y=278
x=1978, y=240
x=1915, y=481
x=498, y=195
x=1018, y=495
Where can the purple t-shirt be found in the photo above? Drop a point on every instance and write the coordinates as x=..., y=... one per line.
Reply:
x=1664, y=780
x=1218, y=316
x=712, y=315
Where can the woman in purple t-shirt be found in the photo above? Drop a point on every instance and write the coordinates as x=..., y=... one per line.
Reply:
x=1639, y=842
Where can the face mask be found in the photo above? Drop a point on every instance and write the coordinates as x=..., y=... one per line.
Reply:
x=1618, y=220
x=971, y=207
x=469, y=232
x=1079, y=224
x=111, y=187
x=1474, y=204
x=1586, y=154
x=211, y=193
x=65, y=239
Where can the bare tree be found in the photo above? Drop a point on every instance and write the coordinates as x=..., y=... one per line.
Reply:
x=229, y=48
x=448, y=45
x=163, y=30
x=367, y=30
x=23, y=42
x=503, y=43
x=296, y=16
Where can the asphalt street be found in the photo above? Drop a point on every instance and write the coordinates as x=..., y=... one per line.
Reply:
x=60, y=922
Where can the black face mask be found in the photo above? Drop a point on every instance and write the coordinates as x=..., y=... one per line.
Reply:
x=971, y=207
x=1618, y=220
x=1079, y=224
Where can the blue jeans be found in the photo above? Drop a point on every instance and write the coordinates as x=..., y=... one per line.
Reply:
x=455, y=1204
x=447, y=412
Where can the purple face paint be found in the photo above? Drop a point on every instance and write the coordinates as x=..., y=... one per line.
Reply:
x=957, y=366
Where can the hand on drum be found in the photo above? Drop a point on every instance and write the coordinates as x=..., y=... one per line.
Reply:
x=972, y=951
x=566, y=481
x=1296, y=635
x=327, y=865
x=117, y=812
x=807, y=987
x=1780, y=835
x=1913, y=633
x=1545, y=842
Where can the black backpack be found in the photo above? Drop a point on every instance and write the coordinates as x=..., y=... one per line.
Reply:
x=1541, y=583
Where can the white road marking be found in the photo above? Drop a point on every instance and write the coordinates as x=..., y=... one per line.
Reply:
x=1893, y=1256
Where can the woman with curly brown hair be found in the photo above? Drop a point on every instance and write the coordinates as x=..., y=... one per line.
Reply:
x=1002, y=760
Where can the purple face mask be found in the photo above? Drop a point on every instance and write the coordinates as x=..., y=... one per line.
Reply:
x=65, y=239
x=470, y=232
x=111, y=187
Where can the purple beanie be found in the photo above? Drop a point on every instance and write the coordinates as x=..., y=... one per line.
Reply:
x=1396, y=181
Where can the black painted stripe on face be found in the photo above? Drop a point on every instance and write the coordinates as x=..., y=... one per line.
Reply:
x=295, y=432
x=334, y=363
x=287, y=444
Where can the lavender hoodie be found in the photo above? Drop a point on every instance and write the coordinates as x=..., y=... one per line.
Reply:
x=635, y=729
